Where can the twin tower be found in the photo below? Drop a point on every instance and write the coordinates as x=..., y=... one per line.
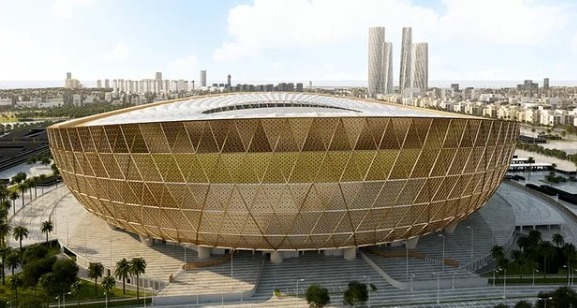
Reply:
x=414, y=70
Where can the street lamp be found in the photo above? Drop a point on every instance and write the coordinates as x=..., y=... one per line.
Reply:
x=443, y=259
x=472, y=237
x=407, y=259
x=58, y=298
x=64, y=299
x=300, y=280
x=534, y=271
x=106, y=298
x=231, y=263
x=545, y=299
x=504, y=283
x=568, y=267
x=453, y=281
x=412, y=277
x=438, y=287
x=369, y=277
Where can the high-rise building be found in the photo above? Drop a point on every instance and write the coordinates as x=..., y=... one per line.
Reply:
x=99, y=83
x=420, y=66
x=158, y=75
x=376, y=46
x=107, y=83
x=406, y=55
x=68, y=75
x=546, y=84
x=380, y=63
x=388, y=67
x=203, y=78
x=228, y=81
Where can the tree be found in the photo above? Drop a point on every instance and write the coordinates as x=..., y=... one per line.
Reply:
x=75, y=289
x=22, y=188
x=64, y=274
x=108, y=284
x=4, y=251
x=137, y=267
x=15, y=282
x=33, y=183
x=563, y=297
x=523, y=304
x=356, y=294
x=13, y=260
x=19, y=233
x=47, y=227
x=317, y=296
x=558, y=240
x=122, y=271
x=547, y=251
x=41, y=180
x=5, y=229
x=520, y=261
x=14, y=195
x=497, y=253
x=95, y=271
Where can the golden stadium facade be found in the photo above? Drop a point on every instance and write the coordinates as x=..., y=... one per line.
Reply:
x=282, y=171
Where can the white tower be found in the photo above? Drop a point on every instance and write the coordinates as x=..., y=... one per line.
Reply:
x=406, y=55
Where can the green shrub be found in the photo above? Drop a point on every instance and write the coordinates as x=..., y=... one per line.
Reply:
x=277, y=292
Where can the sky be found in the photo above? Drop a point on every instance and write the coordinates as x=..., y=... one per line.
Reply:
x=282, y=40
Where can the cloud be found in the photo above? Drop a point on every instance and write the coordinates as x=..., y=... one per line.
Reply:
x=119, y=53
x=66, y=8
x=183, y=67
x=282, y=24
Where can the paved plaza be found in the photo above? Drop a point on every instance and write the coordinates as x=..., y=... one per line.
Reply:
x=250, y=280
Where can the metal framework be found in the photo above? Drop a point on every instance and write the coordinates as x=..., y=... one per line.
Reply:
x=285, y=183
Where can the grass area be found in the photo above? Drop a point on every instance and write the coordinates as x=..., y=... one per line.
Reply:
x=8, y=117
x=86, y=295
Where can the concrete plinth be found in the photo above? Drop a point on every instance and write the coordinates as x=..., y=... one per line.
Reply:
x=350, y=254
x=412, y=243
x=451, y=228
x=203, y=252
x=146, y=240
x=275, y=257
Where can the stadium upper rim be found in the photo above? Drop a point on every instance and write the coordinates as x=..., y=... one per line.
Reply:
x=257, y=105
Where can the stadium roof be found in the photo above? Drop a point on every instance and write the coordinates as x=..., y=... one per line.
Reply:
x=262, y=105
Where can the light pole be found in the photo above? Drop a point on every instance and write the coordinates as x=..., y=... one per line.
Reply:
x=412, y=276
x=58, y=298
x=106, y=298
x=438, y=287
x=231, y=263
x=534, y=271
x=299, y=280
x=369, y=287
x=568, y=267
x=64, y=299
x=472, y=237
x=443, y=258
x=453, y=281
x=407, y=259
x=545, y=299
x=504, y=283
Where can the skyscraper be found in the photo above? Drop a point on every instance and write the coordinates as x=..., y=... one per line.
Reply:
x=158, y=75
x=546, y=84
x=388, y=67
x=203, y=78
x=420, y=66
x=406, y=54
x=376, y=45
x=380, y=66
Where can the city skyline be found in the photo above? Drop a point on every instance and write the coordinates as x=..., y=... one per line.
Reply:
x=263, y=40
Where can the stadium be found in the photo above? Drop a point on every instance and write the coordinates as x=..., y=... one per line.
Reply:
x=282, y=171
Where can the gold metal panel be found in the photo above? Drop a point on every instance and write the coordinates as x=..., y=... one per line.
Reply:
x=298, y=183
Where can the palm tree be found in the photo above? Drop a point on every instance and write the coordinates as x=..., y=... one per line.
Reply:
x=15, y=282
x=137, y=267
x=32, y=183
x=41, y=179
x=7, y=204
x=497, y=253
x=122, y=271
x=95, y=271
x=47, y=227
x=19, y=233
x=75, y=291
x=4, y=251
x=22, y=188
x=5, y=229
x=108, y=284
x=3, y=192
x=558, y=240
x=547, y=251
x=519, y=261
x=13, y=260
x=14, y=195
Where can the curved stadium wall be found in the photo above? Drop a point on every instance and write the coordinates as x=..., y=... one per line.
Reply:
x=285, y=183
